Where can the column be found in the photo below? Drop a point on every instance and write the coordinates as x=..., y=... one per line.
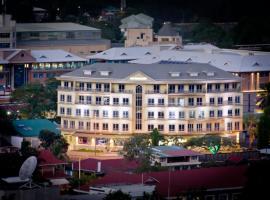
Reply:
x=258, y=81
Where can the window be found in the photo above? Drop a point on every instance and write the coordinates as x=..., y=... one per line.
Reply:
x=106, y=100
x=234, y=85
x=212, y=101
x=86, y=113
x=199, y=101
x=81, y=125
x=121, y=87
x=150, y=115
x=230, y=100
x=65, y=84
x=217, y=87
x=199, y=127
x=115, y=127
x=191, y=101
x=88, y=99
x=181, y=127
x=209, y=87
x=98, y=87
x=125, y=101
x=171, y=127
x=220, y=100
x=88, y=86
x=125, y=127
x=229, y=126
x=181, y=115
x=65, y=123
x=226, y=87
x=208, y=127
x=82, y=140
x=190, y=128
x=106, y=87
x=105, y=114
x=230, y=112
x=68, y=111
x=171, y=115
x=96, y=126
x=219, y=113
x=180, y=88
x=105, y=126
x=69, y=98
x=201, y=114
x=150, y=127
x=88, y=125
x=72, y=124
x=237, y=99
x=160, y=102
x=151, y=102
x=199, y=88
x=192, y=114
x=96, y=113
x=171, y=88
x=181, y=102
x=81, y=99
x=115, y=101
x=191, y=88
x=216, y=126
x=211, y=113
x=171, y=101
x=237, y=126
x=125, y=114
x=81, y=86
x=156, y=88
x=62, y=98
x=160, y=127
x=98, y=100
x=237, y=112
x=62, y=110
x=160, y=115
x=115, y=114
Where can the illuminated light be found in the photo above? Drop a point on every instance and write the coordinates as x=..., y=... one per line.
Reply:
x=138, y=78
x=8, y=113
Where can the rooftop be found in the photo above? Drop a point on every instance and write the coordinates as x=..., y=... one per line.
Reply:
x=173, y=151
x=144, y=72
x=32, y=127
x=48, y=27
x=167, y=30
x=137, y=21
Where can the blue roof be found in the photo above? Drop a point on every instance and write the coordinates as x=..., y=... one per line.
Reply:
x=32, y=127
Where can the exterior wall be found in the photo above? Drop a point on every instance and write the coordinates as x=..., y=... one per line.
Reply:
x=169, y=40
x=229, y=122
x=7, y=32
x=138, y=37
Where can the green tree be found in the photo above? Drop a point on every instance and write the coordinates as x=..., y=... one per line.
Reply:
x=27, y=150
x=250, y=123
x=47, y=138
x=118, y=195
x=156, y=137
x=38, y=99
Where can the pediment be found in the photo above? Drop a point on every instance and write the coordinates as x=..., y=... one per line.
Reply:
x=139, y=76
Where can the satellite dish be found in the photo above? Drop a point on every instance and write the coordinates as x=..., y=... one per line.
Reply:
x=28, y=167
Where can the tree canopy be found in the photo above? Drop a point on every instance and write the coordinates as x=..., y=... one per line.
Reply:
x=38, y=99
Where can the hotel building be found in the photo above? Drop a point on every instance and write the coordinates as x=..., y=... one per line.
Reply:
x=106, y=103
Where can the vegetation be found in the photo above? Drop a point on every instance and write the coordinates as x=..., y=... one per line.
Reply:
x=27, y=150
x=250, y=123
x=6, y=125
x=85, y=178
x=156, y=137
x=39, y=99
x=57, y=144
x=263, y=129
x=118, y=195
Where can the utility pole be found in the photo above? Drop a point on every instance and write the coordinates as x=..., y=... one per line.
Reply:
x=123, y=5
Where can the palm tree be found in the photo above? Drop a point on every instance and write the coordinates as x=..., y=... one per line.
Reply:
x=251, y=126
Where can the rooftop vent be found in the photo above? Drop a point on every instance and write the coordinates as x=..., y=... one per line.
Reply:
x=175, y=74
x=42, y=56
x=193, y=74
x=105, y=73
x=147, y=53
x=189, y=60
x=256, y=64
x=88, y=72
x=68, y=56
x=210, y=73
x=123, y=54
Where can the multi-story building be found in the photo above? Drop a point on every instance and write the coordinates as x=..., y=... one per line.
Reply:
x=114, y=101
x=7, y=32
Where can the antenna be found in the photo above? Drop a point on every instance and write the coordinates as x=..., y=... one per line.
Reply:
x=26, y=171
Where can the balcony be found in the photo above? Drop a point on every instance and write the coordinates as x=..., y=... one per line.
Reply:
x=156, y=92
x=65, y=88
x=123, y=91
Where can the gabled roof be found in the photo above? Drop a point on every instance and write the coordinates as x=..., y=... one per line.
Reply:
x=158, y=72
x=182, y=181
x=46, y=158
x=167, y=30
x=137, y=21
x=55, y=56
x=173, y=151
